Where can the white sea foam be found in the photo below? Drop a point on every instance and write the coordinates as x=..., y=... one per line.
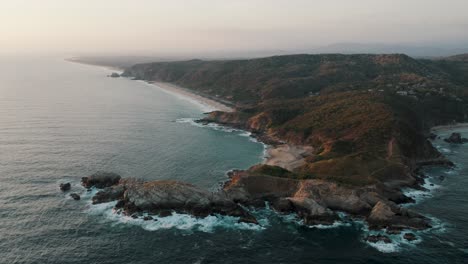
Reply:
x=192, y=121
x=398, y=242
x=242, y=133
x=174, y=221
x=420, y=195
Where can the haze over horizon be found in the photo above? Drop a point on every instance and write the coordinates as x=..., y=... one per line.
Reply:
x=193, y=26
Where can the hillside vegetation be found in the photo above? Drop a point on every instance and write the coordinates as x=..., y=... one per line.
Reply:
x=366, y=116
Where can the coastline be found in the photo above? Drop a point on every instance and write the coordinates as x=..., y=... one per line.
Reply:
x=449, y=127
x=107, y=67
x=205, y=101
x=284, y=155
x=287, y=156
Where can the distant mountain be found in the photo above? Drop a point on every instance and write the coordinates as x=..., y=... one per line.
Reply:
x=459, y=58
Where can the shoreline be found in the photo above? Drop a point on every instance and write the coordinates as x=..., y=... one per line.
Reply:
x=107, y=67
x=199, y=99
x=449, y=127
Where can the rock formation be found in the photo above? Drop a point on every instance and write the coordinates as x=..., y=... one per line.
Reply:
x=75, y=196
x=314, y=201
x=161, y=197
x=65, y=187
x=456, y=138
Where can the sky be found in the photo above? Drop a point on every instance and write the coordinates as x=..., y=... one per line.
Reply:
x=157, y=26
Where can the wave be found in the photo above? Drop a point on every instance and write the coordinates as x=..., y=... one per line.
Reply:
x=242, y=133
x=398, y=242
x=188, y=98
x=174, y=221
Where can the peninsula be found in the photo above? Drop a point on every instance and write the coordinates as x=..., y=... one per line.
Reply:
x=356, y=129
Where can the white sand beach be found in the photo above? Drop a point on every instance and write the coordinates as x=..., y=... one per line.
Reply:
x=209, y=104
x=450, y=127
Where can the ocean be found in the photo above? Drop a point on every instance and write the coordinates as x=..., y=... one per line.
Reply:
x=60, y=121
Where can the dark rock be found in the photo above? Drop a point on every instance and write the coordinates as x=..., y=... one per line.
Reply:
x=441, y=178
x=165, y=213
x=393, y=231
x=109, y=194
x=283, y=205
x=147, y=218
x=389, y=215
x=65, y=187
x=134, y=216
x=409, y=236
x=432, y=136
x=160, y=197
x=120, y=204
x=379, y=238
x=114, y=75
x=75, y=196
x=456, y=138
x=101, y=180
x=248, y=219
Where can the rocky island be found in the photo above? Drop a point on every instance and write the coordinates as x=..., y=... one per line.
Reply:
x=364, y=119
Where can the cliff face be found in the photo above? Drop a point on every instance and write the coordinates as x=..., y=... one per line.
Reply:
x=358, y=139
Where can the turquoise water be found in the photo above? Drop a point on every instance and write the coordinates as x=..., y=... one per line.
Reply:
x=60, y=121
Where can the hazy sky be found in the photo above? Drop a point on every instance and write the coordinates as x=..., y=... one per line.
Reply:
x=133, y=26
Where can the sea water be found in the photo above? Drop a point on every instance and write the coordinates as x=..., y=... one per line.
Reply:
x=60, y=121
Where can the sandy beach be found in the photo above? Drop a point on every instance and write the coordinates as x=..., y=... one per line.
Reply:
x=449, y=127
x=210, y=104
x=287, y=156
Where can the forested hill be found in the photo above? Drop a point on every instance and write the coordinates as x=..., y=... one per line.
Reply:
x=298, y=76
x=366, y=116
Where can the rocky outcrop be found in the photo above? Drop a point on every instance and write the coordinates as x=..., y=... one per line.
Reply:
x=456, y=138
x=114, y=75
x=379, y=238
x=65, y=187
x=163, y=197
x=389, y=215
x=109, y=194
x=100, y=180
x=75, y=196
x=316, y=201
x=410, y=236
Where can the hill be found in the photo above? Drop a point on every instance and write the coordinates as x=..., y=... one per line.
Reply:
x=366, y=116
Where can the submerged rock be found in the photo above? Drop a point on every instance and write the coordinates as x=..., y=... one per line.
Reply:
x=65, y=187
x=409, y=236
x=456, y=138
x=75, y=196
x=379, y=238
